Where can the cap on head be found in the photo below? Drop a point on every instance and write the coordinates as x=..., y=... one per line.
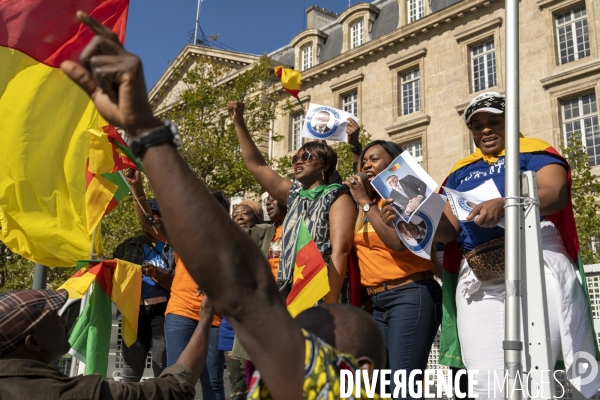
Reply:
x=490, y=102
x=21, y=311
x=256, y=209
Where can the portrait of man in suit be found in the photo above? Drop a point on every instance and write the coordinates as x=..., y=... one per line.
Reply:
x=320, y=121
x=407, y=193
x=416, y=232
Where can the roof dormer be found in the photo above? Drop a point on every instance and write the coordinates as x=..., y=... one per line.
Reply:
x=356, y=23
x=307, y=48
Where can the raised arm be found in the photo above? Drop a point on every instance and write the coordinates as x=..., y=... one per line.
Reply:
x=232, y=270
x=270, y=180
x=341, y=220
x=150, y=223
x=353, y=131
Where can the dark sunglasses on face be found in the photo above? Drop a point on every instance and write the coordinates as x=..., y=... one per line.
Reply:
x=304, y=157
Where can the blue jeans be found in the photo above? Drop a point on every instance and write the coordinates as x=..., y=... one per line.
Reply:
x=409, y=317
x=178, y=331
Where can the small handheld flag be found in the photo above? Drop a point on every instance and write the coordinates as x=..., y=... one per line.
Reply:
x=290, y=81
x=394, y=168
x=311, y=281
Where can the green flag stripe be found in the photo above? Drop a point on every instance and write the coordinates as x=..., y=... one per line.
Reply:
x=304, y=236
x=117, y=179
x=91, y=335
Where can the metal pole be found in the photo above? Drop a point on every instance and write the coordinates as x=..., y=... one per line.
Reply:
x=513, y=346
x=40, y=276
x=197, y=22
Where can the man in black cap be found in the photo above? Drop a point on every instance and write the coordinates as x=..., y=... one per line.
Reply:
x=33, y=336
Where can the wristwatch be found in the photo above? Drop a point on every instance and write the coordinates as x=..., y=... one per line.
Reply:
x=356, y=149
x=167, y=133
x=367, y=207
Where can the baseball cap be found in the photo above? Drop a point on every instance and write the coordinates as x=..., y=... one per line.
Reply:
x=21, y=311
x=491, y=102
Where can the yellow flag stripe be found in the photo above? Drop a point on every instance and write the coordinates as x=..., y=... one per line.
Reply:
x=313, y=292
x=126, y=291
x=45, y=131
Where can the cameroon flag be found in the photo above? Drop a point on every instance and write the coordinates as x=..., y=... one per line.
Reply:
x=311, y=281
x=117, y=281
x=57, y=153
x=290, y=80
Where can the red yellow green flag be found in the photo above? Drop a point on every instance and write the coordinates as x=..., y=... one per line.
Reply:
x=117, y=281
x=311, y=281
x=50, y=131
x=290, y=80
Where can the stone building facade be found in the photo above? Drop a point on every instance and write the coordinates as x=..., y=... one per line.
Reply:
x=408, y=69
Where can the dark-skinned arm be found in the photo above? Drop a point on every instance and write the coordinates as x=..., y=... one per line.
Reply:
x=150, y=223
x=232, y=271
x=353, y=131
x=341, y=221
x=277, y=186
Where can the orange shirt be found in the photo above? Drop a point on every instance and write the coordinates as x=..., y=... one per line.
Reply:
x=275, y=250
x=183, y=301
x=379, y=264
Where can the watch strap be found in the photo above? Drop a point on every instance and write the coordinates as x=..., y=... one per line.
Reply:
x=156, y=136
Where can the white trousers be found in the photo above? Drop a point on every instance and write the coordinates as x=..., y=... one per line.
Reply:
x=480, y=319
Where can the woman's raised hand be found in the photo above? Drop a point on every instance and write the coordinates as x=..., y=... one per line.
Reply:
x=387, y=213
x=358, y=190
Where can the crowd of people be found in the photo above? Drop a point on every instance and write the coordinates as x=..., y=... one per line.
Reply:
x=226, y=304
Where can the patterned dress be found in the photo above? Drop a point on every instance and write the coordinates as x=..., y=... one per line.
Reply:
x=316, y=216
x=322, y=366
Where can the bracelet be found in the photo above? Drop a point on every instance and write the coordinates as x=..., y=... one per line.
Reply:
x=142, y=197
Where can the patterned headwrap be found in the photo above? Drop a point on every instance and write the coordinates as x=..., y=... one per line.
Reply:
x=256, y=209
x=491, y=102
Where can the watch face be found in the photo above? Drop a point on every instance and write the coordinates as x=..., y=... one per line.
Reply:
x=366, y=207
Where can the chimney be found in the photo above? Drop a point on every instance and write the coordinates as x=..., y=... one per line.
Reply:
x=317, y=17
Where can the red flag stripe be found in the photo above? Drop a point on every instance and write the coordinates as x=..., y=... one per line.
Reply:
x=306, y=257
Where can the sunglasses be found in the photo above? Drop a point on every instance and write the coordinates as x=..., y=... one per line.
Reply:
x=268, y=200
x=304, y=157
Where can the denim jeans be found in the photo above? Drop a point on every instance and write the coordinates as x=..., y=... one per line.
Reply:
x=178, y=331
x=151, y=335
x=409, y=317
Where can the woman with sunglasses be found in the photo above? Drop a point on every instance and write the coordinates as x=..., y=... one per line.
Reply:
x=406, y=299
x=329, y=217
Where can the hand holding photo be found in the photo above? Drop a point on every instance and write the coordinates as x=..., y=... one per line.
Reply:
x=326, y=123
x=462, y=203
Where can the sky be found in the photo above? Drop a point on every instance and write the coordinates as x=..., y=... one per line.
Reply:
x=157, y=30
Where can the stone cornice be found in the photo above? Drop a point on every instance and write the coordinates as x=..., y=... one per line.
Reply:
x=571, y=74
x=476, y=30
x=347, y=82
x=547, y=3
x=403, y=126
x=420, y=53
x=447, y=18
x=356, y=9
x=307, y=34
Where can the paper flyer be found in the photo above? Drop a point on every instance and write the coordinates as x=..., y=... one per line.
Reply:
x=463, y=202
x=416, y=204
x=326, y=123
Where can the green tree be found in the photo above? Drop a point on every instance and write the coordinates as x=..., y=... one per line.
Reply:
x=344, y=154
x=210, y=142
x=585, y=191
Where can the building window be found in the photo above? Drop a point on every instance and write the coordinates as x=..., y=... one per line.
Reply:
x=295, y=138
x=350, y=103
x=415, y=10
x=411, y=101
x=572, y=35
x=415, y=149
x=307, y=57
x=580, y=115
x=483, y=66
x=357, y=34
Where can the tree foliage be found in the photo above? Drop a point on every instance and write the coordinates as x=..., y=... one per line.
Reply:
x=210, y=142
x=585, y=191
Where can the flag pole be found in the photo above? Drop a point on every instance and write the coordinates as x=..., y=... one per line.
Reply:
x=512, y=345
x=299, y=101
x=197, y=22
x=136, y=199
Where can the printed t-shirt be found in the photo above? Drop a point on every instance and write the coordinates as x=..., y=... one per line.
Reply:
x=275, y=250
x=378, y=263
x=151, y=289
x=183, y=301
x=322, y=366
x=472, y=175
